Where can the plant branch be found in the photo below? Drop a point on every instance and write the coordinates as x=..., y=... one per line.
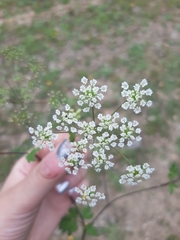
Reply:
x=134, y=192
x=79, y=212
x=93, y=116
x=105, y=185
x=3, y=153
x=81, y=217
x=123, y=155
x=116, y=110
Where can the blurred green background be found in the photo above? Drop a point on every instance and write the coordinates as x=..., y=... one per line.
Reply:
x=111, y=41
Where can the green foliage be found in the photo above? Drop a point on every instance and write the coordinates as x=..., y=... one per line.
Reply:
x=69, y=222
x=91, y=230
x=173, y=171
x=173, y=174
x=56, y=99
x=64, y=1
x=87, y=212
x=31, y=156
x=4, y=96
x=22, y=116
x=172, y=187
x=113, y=231
x=105, y=72
x=13, y=53
x=36, y=66
x=172, y=237
x=137, y=60
x=20, y=84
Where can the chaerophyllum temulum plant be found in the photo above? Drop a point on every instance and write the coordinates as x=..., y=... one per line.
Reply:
x=90, y=131
x=102, y=136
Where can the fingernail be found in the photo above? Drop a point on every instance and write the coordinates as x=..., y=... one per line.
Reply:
x=72, y=190
x=63, y=149
x=62, y=187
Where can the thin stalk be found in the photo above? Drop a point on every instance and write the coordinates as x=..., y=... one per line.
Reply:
x=93, y=115
x=116, y=110
x=123, y=156
x=83, y=234
x=4, y=153
x=81, y=217
x=105, y=185
x=79, y=212
x=133, y=192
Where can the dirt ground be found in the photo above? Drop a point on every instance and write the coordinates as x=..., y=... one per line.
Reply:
x=153, y=215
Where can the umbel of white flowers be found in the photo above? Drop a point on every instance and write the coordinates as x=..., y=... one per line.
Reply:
x=101, y=135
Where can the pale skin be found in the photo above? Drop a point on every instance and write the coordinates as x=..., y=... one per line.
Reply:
x=30, y=206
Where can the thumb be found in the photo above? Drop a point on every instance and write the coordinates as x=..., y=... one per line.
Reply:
x=31, y=191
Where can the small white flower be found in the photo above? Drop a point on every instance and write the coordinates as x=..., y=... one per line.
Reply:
x=84, y=80
x=67, y=107
x=125, y=85
x=149, y=92
x=31, y=130
x=57, y=112
x=144, y=82
x=86, y=109
x=125, y=105
x=104, y=88
x=75, y=92
x=149, y=103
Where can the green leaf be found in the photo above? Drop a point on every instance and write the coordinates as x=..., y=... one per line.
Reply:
x=73, y=212
x=31, y=156
x=87, y=213
x=91, y=230
x=172, y=187
x=68, y=224
x=173, y=171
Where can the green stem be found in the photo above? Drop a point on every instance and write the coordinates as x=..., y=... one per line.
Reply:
x=123, y=156
x=116, y=110
x=93, y=115
x=81, y=217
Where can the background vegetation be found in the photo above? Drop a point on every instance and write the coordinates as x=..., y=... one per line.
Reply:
x=58, y=42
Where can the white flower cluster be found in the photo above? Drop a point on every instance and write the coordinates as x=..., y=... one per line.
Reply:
x=134, y=97
x=89, y=94
x=136, y=174
x=43, y=136
x=88, y=195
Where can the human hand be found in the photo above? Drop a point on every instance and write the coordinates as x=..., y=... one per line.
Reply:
x=30, y=204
